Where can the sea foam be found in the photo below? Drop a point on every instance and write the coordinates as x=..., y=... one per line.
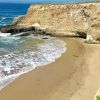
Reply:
x=15, y=64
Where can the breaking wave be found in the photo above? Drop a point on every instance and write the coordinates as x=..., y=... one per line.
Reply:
x=15, y=64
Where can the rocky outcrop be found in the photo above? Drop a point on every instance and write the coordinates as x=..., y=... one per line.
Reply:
x=17, y=19
x=23, y=31
x=69, y=19
x=64, y=19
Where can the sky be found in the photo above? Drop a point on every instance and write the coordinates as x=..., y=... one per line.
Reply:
x=39, y=1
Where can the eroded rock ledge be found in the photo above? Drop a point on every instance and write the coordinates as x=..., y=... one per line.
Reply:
x=64, y=19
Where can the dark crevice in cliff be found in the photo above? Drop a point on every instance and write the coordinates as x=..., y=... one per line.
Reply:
x=81, y=34
x=15, y=30
x=24, y=31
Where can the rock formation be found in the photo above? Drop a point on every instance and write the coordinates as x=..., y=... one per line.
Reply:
x=64, y=19
x=69, y=19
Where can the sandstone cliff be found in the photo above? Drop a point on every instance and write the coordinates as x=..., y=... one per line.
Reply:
x=64, y=19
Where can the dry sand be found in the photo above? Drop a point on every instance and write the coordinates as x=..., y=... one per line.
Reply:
x=74, y=76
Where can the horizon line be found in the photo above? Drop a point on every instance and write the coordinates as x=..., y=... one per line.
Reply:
x=39, y=2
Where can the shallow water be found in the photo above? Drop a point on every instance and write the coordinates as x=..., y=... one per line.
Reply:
x=22, y=54
x=11, y=44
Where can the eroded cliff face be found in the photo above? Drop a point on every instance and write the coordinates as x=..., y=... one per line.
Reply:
x=64, y=19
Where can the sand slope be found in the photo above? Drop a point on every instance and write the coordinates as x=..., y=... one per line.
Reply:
x=74, y=76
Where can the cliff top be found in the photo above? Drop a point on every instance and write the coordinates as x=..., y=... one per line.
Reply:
x=63, y=6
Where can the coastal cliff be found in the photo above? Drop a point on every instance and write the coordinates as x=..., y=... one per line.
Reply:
x=64, y=19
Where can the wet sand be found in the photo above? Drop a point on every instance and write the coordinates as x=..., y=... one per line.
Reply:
x=74, y=76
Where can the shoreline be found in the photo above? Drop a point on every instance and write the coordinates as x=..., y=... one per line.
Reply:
x=48, y=50
x=69, y=78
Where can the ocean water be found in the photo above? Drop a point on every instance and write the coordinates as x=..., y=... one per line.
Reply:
x=19, y=54
x=8, y=11
x=26, y=54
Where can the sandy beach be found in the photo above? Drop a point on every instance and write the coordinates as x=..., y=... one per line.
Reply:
x=73, y=76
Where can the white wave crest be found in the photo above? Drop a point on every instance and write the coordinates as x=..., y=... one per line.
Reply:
x=15, y=64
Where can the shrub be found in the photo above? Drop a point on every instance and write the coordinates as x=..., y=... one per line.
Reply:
x=97, y=98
